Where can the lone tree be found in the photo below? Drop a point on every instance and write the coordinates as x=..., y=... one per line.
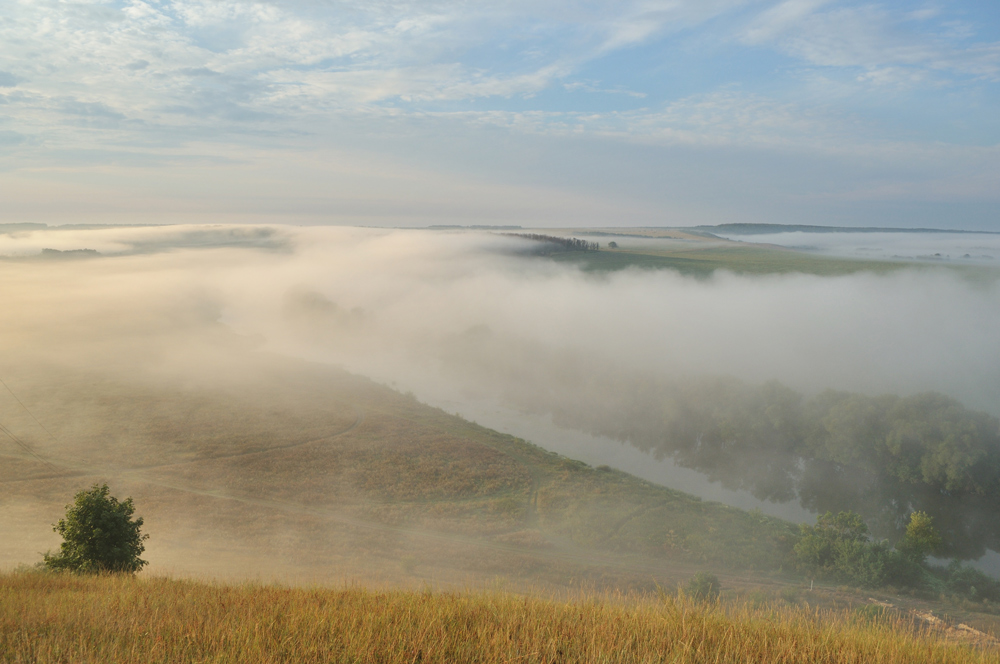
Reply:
x=100, y=535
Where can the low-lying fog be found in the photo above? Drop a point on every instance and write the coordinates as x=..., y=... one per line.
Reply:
x=974, y=248
x=475, y=323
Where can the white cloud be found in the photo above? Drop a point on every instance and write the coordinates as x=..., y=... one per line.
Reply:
x=641, y=21
x=347, y=88
x=873, y=37
x=408, y=50
x=779, y=19
x=722, y=118
x=148, y=62
x=595, y=87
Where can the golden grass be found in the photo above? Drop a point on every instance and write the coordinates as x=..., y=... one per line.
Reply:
x=57, y=618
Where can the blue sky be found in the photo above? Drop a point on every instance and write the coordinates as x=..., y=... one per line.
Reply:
x=579, y=112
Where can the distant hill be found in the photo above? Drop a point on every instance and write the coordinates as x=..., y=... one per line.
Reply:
x=14, y=228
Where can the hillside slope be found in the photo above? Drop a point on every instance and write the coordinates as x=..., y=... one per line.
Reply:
x=289, y=468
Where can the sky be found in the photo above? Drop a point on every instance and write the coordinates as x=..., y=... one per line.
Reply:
x=540, y=113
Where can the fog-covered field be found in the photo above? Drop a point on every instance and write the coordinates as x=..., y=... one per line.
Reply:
x=975, y=248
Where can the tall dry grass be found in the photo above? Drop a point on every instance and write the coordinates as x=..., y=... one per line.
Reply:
x=61, y=618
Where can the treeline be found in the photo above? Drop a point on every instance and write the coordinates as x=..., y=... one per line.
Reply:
x=565, y=243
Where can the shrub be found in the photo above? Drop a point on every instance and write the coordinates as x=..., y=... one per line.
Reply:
x=99, y=535
x=704, y=586
x=971, y=583
x=839, y=548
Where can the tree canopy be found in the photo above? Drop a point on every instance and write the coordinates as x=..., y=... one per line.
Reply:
x=99, y=535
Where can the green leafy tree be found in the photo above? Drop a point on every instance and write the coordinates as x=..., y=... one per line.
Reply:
x=821, y=545
x=99, y=535
x=839, y=547
x=921, y=538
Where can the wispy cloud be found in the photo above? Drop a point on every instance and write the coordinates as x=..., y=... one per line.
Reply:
x=874, y=38
x=139, y=57
x=190, y=60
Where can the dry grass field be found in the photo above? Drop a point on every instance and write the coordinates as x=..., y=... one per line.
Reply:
x=61, y=618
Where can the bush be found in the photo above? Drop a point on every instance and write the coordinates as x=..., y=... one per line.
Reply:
x=99, y=535
x=972, y=584
x=704, y=586
x=839, y=548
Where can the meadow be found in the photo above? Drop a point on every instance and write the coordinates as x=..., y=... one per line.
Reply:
x=62, y=618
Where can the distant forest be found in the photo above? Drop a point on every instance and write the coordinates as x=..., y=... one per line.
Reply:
x=561, y=243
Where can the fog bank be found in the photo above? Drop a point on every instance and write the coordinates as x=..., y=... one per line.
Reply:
x=475, y=310
x=960, y=248
x=476, y=318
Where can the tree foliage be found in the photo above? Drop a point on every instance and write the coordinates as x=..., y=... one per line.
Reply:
x=921, y=538
x=99, y=535
x=556, y=243
x=840, y=548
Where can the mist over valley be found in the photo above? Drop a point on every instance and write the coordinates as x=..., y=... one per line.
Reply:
x=737, y=378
